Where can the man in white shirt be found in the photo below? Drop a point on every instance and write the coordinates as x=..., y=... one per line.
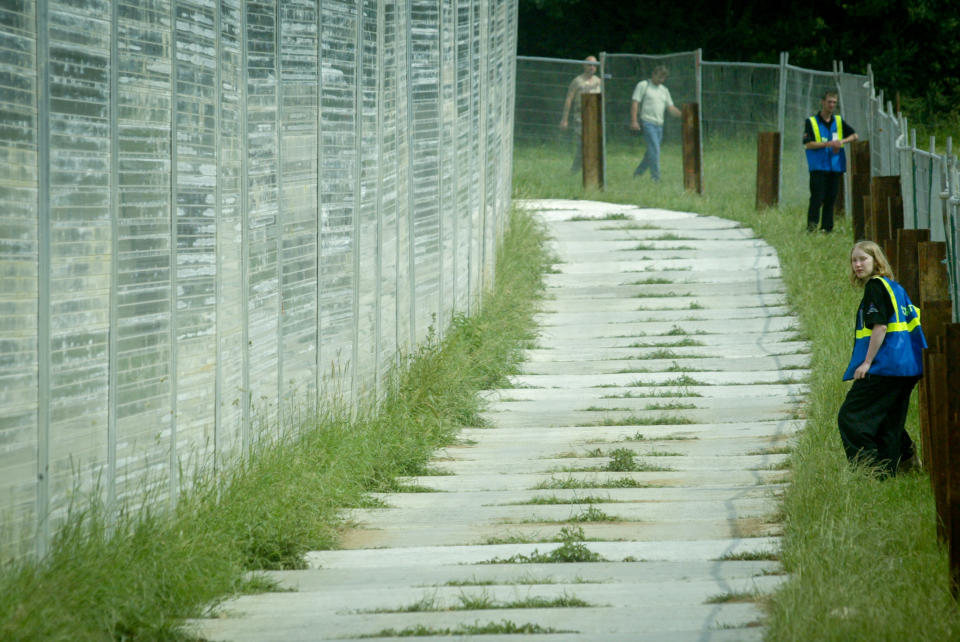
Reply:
x=651, y=101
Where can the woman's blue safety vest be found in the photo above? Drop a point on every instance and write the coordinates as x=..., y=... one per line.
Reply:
x=901, y=353
x=824, y=160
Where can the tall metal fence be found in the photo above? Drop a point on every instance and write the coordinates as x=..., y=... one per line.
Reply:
x=737, y=101
x=213, y=212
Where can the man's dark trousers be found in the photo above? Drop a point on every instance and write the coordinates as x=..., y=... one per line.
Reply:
x=824, y=187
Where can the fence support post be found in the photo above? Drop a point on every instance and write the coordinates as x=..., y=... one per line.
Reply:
x=933, y=413
x=859, y=185
x=591, y=109
x=768, y=169
x=691, y=148
x=908, y=260
x=932, y=278
x=952, y=361
x=886, y=209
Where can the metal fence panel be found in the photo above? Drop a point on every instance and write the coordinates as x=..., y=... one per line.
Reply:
x=388, y=140
x=299, y=82
x=79, y=253
x=19, y=269
x=338, y=166
x=218, y=212
x=232, y=407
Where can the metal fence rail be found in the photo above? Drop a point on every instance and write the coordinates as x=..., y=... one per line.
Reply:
x=213, y=212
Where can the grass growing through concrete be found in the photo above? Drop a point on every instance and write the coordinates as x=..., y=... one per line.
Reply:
x=483, y=601
x=526, y=579
x=863, y=556
x=572, y=483
x=543, y=500
x=137, y=575
x=503, y=627
x=572, y=549
x=634, y=420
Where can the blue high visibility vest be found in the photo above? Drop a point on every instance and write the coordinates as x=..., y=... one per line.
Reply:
x=825, y=160
x=901, y=353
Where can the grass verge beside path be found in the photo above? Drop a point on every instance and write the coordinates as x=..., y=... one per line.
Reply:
x=862, y=554
x=139, y=577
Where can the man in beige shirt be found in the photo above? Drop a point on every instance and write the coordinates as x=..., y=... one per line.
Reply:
x=651, y=102
x=586, y=83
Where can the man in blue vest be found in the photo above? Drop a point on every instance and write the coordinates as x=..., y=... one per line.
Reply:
x=824, y=135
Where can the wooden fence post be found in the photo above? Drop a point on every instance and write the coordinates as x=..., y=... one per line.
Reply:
x=859, y=185
x=908, y=261
x=936, y=311
x=866, y=232
x=952, y=463
x=886, y=207
x=933, y=408
x=591, y=108
x=692, y=163
x=768, y=169
x=932, y=278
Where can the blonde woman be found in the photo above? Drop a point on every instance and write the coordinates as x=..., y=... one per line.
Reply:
x=885, y=366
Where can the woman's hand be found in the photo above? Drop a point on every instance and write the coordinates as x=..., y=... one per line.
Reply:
x=861, y=370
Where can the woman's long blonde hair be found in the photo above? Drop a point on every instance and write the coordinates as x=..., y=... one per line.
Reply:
x=881, y=266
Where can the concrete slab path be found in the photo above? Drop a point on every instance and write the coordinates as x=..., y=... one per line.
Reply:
x=626, y=486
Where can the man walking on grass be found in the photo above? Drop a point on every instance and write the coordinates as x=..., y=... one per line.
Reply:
x=651, y=101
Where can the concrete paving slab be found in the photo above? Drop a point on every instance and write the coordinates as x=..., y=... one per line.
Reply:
x=336, y=580
x=767, y=264
x=595, y=623
x=603, y=595
x=684, y=542
x=625, y=286
x=779, y=429
x=778, y=363
x=682, y=298
x=681, y=394
x=679, y=314
x=467, y=481
x=666, y=551
x=658, y=380
x=746, y=326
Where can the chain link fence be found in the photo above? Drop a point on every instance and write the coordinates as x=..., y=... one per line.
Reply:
x=216, y=212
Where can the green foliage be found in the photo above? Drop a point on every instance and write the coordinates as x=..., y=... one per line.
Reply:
x=503, y=627
x=574, y=483
x=912, y=46
x=571, y=550
x=622, y=460
x=483, y=601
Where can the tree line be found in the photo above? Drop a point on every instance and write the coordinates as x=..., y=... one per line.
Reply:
x=912, y=45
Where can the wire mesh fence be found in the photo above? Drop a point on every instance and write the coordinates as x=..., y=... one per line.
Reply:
x=216, y=212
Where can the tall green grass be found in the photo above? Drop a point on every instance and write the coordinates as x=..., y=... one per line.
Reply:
x=862, y=554
x=139, y=575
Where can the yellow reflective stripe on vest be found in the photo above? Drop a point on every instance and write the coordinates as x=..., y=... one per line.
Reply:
x=891, y=327
x=816, y=129
x=897, y=325
x=893, y=299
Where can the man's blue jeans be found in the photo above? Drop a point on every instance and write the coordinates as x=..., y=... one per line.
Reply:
x=652, y=136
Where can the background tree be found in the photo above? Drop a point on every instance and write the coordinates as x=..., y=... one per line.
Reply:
x=913, y=45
